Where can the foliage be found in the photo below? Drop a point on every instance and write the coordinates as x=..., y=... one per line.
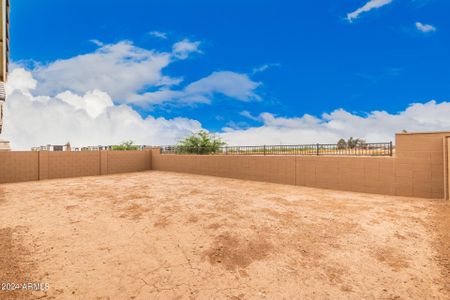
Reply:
x=341, y=144
x=351, y=143
x=125, y=146
x=201, y=142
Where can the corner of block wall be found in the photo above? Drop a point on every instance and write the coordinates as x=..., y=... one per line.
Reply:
x=446, y=148
x=43, y=165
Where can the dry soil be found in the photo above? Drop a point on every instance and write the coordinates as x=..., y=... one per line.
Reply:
x=158, y=235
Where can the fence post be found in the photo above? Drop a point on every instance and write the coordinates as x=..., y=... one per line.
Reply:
x=390, y=149
x=264, y=149
x=317, y=149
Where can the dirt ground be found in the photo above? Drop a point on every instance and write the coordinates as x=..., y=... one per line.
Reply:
x=158, y=235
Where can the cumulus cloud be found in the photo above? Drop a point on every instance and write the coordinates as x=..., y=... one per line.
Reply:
x=372, y=4
x=21, y=80
x=233, y=85
x=377, y=126
x=120, y=69
x=183, y=48
x=126, y=72
x=93, y=102
x=90, y=118
x=425, y=28
x=84, y=100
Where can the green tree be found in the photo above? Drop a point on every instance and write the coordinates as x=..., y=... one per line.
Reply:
x=125, y=146
x=341, y=144
x=201, y=142
x=356, y=143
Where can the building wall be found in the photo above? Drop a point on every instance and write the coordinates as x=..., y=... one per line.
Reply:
x=42, y=165
x=4, y=39
x=2, y=105
x=416, y=170
x=4, y=53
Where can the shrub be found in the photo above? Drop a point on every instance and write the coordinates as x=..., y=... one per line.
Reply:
x=355, y=143
x=341, y=144
x=351, y=143
x=125, y=146
x=201, y=142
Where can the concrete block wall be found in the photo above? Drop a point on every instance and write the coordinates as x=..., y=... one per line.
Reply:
x=279, y=169
x=418, y=169
x=447, y=168
x=72, y=164
x=19, y=166
x=127, y=161
x=420, y=164
x=359, y=174
x=42, y=165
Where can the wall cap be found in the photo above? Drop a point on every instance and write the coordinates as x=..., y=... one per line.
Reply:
x=424, y=132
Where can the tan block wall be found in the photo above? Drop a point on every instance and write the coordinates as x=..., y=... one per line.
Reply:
x=128, y=161
x=278, y=169
x=419, y=165
x=73, y=164
x=18, y=166
x=43, y=165
x=360, y=174
x=103, y=162
x=447, y=167
x=29, y=166
x=417, y=169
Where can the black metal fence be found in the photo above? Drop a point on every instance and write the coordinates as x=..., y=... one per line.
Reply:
x=366, y=149
x=91, y=148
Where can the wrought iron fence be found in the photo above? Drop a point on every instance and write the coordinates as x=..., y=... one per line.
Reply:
x=90, y=148
x=366, y=149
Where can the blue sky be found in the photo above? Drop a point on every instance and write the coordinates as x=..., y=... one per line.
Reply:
x=306, y=57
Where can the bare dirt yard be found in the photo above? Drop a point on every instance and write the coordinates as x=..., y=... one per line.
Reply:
x=158, y=235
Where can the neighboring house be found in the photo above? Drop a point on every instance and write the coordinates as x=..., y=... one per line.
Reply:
x=4, y=59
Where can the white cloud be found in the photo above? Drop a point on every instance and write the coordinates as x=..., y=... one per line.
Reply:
x=158, y=34
x=231, y=84
x=248, y=115
x=425, y=27
x=93, y=102
x=79, y=100
x=21, y=80
x=377, y=126
x=183, y=48
x=83, y=119
x=372, y=4
x=97, y=42
x=92, y=118
x=126, y=72
x=120, y=69
x=264, y=68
